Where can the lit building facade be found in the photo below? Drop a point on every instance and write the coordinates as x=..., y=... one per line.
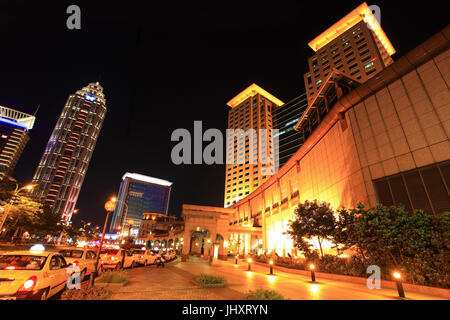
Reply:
x=14, y=128
x=61, y=171
x=285, y=118
x=139, y=194
x=356, y=45
x=250, y=109
x=159, y=230
x=386, y=140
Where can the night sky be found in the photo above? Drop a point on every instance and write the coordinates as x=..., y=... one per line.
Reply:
x=163, y=66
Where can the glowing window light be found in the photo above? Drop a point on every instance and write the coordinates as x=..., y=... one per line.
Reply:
x=90, y=98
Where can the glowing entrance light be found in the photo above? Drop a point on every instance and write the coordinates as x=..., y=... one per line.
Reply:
x=90, y=98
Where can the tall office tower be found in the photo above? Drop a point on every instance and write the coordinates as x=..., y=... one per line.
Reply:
x=284, y=119
x=66, y=157
x=356, y=45
x=250, y=109
x=14, y=127
x=139, y=194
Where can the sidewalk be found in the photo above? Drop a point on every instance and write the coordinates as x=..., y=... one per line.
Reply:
x=175, y=282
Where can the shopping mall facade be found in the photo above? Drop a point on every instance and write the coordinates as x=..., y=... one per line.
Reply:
x=382, y=141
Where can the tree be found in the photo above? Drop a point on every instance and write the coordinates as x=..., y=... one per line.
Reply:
x=23, y=214
x=313, y=220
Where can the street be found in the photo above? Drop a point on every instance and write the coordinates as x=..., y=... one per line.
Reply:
x=175, y=282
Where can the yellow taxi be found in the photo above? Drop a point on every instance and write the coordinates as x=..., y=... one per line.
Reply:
x=81, y=258
x=34, y=274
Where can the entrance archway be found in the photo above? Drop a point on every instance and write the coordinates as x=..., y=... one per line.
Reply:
x=202, y=226
x=198, y=241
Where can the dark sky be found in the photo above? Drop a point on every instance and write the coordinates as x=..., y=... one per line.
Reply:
x=163, y=66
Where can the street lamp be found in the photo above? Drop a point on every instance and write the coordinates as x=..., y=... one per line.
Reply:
x=236, y=260
x=110, y=206
x=16, y=192
x=398, y=281
x=271, y=266
x=313, y=273
x=249, y=260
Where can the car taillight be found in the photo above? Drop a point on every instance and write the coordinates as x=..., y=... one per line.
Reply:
x=75, y=263
x=142, y=257
x=28, y=285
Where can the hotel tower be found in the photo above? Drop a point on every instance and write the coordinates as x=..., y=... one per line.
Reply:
x=250, y=109
x=356, y=45
x=14, y=127
x=66, y=157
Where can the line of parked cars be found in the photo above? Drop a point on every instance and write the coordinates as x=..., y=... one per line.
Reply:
x=40, y=274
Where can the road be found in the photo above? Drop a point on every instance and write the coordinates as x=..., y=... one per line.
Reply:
x=175, y=282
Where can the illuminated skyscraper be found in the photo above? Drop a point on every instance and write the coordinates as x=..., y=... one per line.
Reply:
x=66, y=157
x=355, y=45
x=139, y=194
x=14, y=127
x=250, y=109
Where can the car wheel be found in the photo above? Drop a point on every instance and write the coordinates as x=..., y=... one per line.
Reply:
x=45, y=294
x=117, y=267
x=145, y=263
x=132, y=265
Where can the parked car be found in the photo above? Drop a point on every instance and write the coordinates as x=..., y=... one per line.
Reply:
x=169, y=255
x=32, y=275
x=112, y=259
x=81, y=258
x=144, y=257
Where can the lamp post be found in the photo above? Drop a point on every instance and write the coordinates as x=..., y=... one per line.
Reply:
x=398, y=282
x=109, y=206
x=15, y=194
x=249, y=260
x=271, y=266
x=313, y=273
x=236, y=260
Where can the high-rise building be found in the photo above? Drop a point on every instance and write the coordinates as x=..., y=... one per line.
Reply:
x=250, y=109
x=66, y=157
x=14, y=127
x=139, y=194
x=355, y=45
x=284, y=119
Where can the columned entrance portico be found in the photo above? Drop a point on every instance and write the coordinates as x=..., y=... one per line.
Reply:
x=204, y=231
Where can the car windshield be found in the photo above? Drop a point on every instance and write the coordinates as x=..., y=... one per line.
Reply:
x=21, y=262
x=138, y=252
x=72, y=253
x=110, y=251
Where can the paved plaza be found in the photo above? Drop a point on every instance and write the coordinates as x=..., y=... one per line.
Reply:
x=175, y=282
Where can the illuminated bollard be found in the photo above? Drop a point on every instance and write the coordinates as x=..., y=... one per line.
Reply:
x=313, y=273
x=236, y=260
x=271, y=266
x=398, y=281
x=249, y=260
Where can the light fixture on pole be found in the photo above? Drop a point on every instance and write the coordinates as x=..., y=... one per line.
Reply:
x=110, y=206
x=313, y=273
x=249, y=260
x=398, y=282
x=271, y=266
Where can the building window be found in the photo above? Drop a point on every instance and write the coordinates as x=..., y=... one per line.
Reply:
x=424, y=189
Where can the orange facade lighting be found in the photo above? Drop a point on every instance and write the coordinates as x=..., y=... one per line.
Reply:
x=361, y=13
x=251, y=91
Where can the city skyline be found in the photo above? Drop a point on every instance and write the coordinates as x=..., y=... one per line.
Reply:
x=129, y=100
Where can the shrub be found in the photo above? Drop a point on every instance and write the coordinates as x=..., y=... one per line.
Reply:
x=262, y=294
x=204, y=279
x=113, y=277
x=86, y=293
